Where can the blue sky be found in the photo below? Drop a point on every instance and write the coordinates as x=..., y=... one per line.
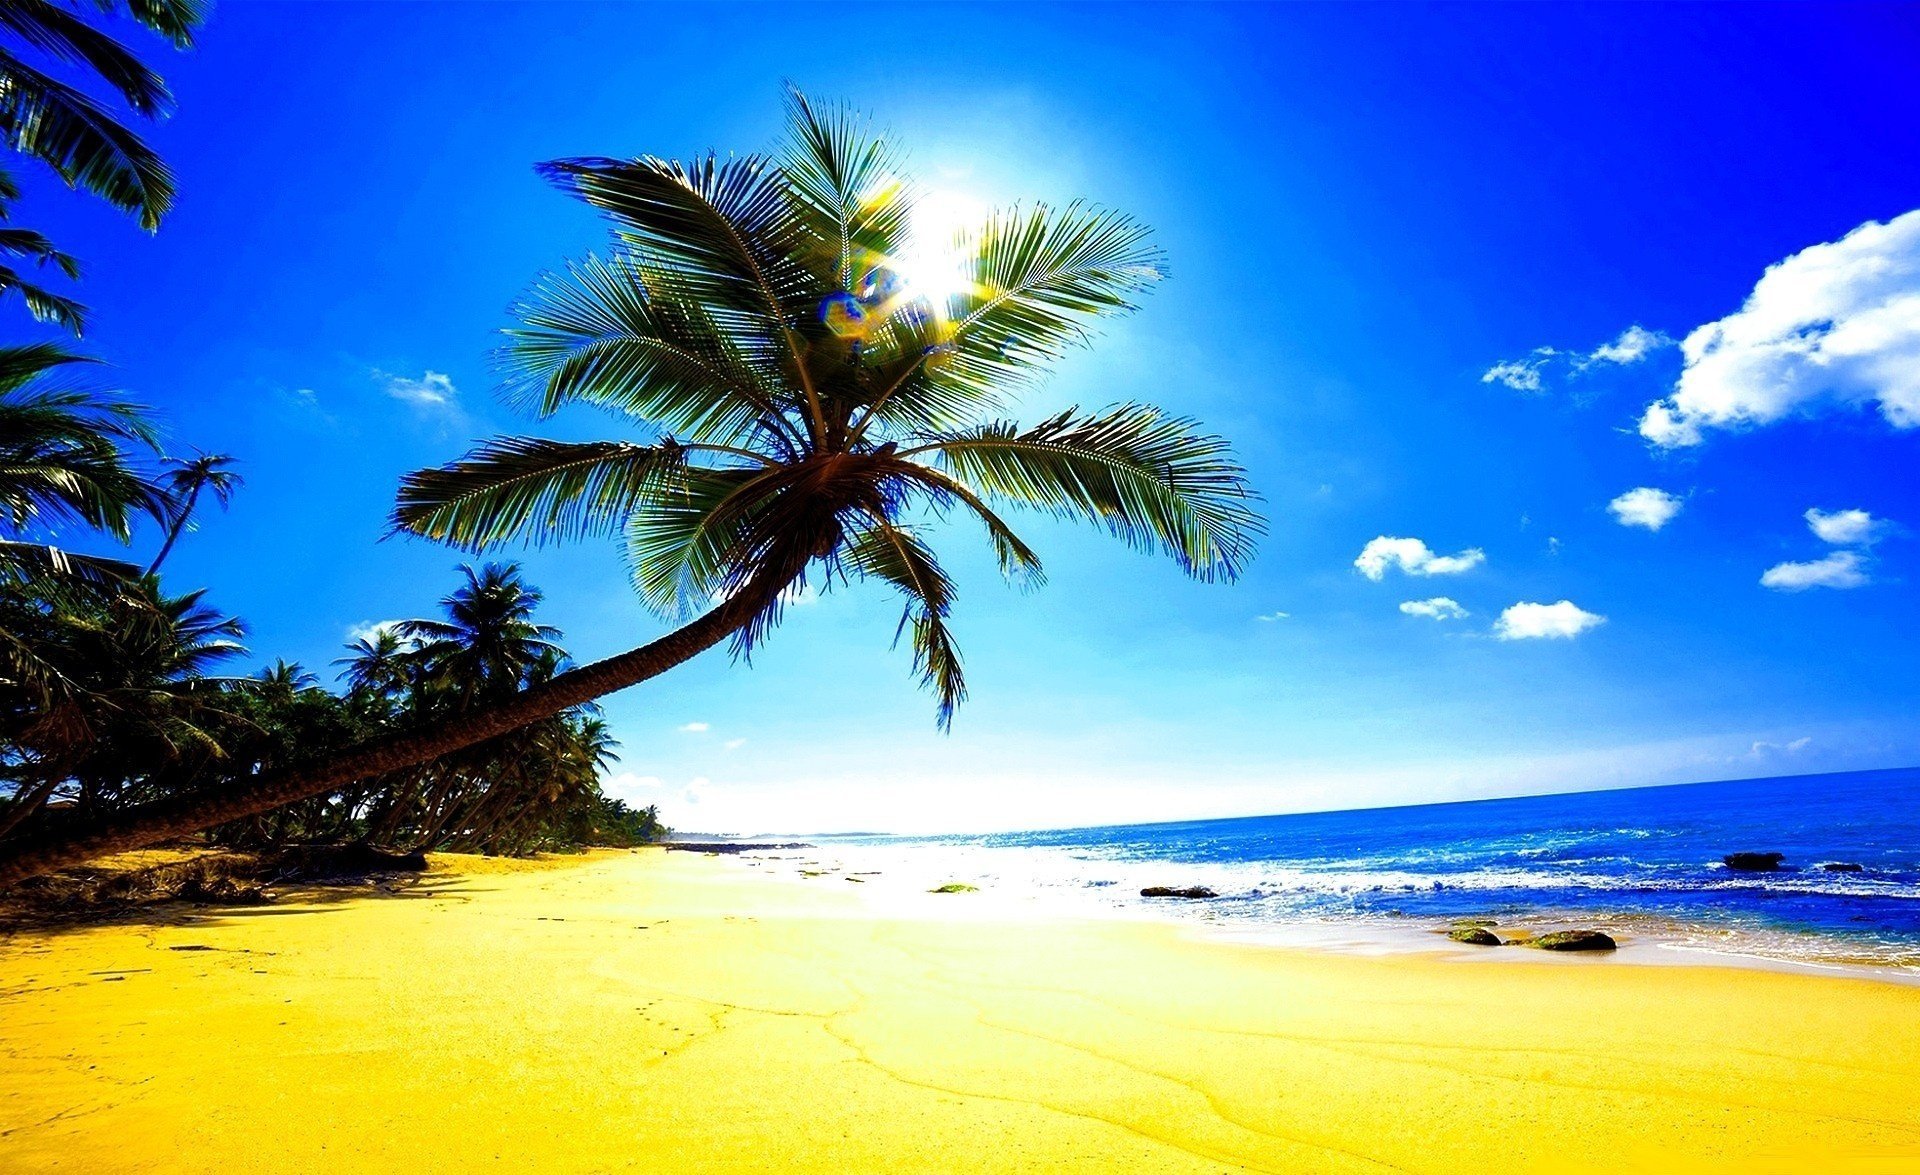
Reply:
x=1367, y=209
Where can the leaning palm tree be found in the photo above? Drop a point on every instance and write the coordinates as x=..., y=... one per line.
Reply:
x=188, y=478
x=78, y=136
x=803, y=415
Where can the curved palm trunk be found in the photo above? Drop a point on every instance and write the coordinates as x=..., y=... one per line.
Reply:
x=166, y=819
x=178, y=524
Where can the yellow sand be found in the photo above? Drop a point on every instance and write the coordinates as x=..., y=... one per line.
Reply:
x=673, y=1013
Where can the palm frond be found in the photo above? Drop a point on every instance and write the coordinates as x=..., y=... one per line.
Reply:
x=81, y=140
x=25, y=242
x=58, y=32
x=608, y=332
x=39, y=560
x=537, y=490
x=1039, y=276
x=44, y=304
x=882, y=550
x=176, y=20
x=1151, y=479
x=848, y=184
x=680, y=550
x=1017, y=560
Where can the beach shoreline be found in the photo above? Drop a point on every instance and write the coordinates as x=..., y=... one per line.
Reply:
x=650, y=1010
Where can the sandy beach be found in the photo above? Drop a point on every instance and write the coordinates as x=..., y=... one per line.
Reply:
x=650, y=1011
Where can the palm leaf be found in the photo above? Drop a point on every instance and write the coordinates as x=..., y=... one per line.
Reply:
x=1149, y=478
x=80, y=140
x=24, y=242
x=882, y=550
x=60, y=33
x=537, y=490
x=44, y=304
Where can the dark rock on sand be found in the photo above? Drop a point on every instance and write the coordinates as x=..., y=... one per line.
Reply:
x=1167, y=891
x=1477, y=936
x=955, y=887
x=1472, y=922
x=333, y=862
x=1844, y=867
x=1575, y=940
x=1754, y=862
x=729, y=846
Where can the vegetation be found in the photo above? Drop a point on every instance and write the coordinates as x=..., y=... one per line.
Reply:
x=802, y=417
x=77, y=135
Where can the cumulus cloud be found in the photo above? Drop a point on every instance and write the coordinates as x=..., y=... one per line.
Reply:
x=1844, y=528
x=694, y=728
x=1842, y=569
x=433, y=390
x=1765, y=750
x=1437, y=608
x=625, y=785
x=1834, y=324
x=1413, y=557
x=1563, y=620
x=1646, y=507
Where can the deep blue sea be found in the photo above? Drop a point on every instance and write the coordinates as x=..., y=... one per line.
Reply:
x=1645, y=858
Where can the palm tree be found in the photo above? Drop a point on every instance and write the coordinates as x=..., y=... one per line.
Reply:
x=79, y=137
x=184, y=483
x=807, y=418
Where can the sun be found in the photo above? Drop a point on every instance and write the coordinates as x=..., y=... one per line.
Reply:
x=934, y=265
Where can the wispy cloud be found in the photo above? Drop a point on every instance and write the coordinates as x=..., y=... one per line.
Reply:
x=433, y=390
x=694, y=728
x=1840, y=570
x=1562, y=621
x=1646, y=507
x=1522, y=375
x=1437, y=608
x=1413, y=557
x=1532, y=374
x=367, y=630
x=1272, y=616
x=1836, y=324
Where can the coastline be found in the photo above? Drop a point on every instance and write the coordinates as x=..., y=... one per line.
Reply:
x=651, y=1010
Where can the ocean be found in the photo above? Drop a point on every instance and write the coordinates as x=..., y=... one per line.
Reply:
x=1644, y=863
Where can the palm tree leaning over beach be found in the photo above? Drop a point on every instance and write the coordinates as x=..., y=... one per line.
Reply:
x=802, y=416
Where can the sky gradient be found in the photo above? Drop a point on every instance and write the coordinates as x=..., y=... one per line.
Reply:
x=1431, y=269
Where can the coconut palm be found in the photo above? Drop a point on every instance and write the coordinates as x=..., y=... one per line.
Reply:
x=78, y=136
x=805, y=416
x=188, y=478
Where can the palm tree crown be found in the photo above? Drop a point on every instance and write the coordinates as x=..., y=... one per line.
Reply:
x=806, y=412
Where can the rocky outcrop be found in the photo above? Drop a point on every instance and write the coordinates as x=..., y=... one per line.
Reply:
x=1575, y=940
x=1844, y=867
x=1754, y=862
x=955, y=887
x=1168, y=891
x=1478, y=936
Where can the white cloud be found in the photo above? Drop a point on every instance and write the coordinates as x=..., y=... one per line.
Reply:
x=1634, y=344
x=734, y=744
x=1272, y=616
x=625, y=785
x=432, y=390
x=1837, y=323
x=1413, y=557
x=1844, y=528
x=695, y=789
x=1535, y=621
x=1842, y=569
x=1764, y=750
x=1522, y=375
x=1438, y=608
x=367, y=630
x=694, y=728
x=1646, y=507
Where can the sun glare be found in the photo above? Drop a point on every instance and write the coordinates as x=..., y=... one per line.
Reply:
x=934, y=266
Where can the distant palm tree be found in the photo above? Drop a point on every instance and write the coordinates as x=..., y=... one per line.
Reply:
x=184, y=483
x=80, y=138
x=811, y=416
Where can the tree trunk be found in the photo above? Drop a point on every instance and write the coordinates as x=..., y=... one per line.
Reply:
x=163, y=820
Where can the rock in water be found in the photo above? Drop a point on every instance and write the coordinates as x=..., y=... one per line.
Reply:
x=1477, y=936
x=1844, y=867
x=1575, y=940
x=1167, y=891
x=1754, y=862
